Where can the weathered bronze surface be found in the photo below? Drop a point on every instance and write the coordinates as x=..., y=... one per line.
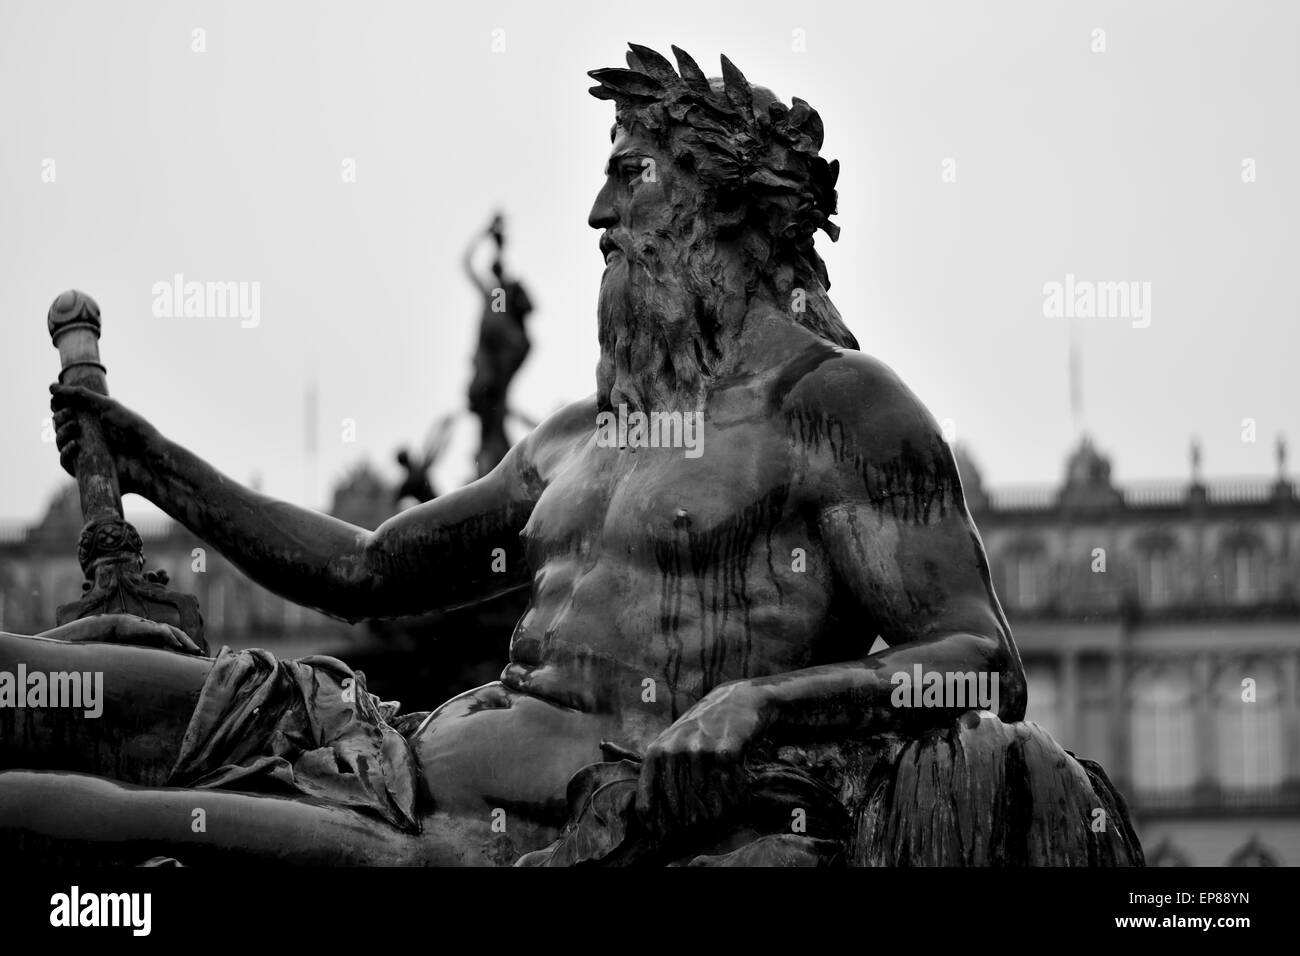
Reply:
x=707, y=669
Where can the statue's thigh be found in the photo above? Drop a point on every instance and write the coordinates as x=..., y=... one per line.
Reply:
x=113, y=710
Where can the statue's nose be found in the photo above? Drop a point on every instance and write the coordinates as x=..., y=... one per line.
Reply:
x=603, y=214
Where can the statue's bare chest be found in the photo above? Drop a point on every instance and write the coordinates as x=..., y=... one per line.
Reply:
x=658, y=500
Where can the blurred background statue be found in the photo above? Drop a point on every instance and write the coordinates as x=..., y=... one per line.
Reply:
x=416, y=484
x=502, y=345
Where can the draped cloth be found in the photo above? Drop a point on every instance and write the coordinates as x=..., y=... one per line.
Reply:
x=306, y=728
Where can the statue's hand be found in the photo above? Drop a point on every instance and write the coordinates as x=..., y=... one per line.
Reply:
x=128, y=435
x=124, y=629
x=694, y=772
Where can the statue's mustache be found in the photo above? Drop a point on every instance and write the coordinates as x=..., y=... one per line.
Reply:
x=609, y=244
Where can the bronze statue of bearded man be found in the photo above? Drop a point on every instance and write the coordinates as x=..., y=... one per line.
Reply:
x=708, y=669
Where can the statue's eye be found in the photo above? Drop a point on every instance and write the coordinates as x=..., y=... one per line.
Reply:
x=631, y=171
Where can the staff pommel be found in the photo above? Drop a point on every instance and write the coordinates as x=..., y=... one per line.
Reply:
x=70, y=310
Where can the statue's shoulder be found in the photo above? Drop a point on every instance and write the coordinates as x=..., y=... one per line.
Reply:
x=571, y=420
x=850, y=387
x=844, y=410
x=561, y=432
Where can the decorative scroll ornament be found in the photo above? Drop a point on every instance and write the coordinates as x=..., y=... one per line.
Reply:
x=109, y=538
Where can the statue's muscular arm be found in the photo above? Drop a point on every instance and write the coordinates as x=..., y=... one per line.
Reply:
x=894, y=524
x=438, y=555
x=880, y=487
x=429, y=557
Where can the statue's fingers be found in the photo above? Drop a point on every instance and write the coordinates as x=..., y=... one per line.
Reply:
x=67, y=431
x=183, y=641
x=75, y=397
x=648, y=787
x=62, y=415
x=713, y=796
x=711, y=792
x=729, y=786
x=131, y=628
x=614, y=751
x=716, y=792
x=693, y=789
x=63, y=396
x=68, y=457
x=677, y=805
x=660, y=816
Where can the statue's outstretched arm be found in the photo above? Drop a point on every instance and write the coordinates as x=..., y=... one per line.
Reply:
x=458, y=549
x=467, y=262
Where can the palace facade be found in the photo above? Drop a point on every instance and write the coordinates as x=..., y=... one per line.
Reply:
x=1159, y=625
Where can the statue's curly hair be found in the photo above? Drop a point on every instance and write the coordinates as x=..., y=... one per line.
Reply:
x=758, y=157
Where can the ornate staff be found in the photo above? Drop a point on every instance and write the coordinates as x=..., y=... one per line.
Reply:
x=109, y=549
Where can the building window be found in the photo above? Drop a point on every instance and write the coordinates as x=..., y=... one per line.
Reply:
x=240, y=611
x=1098, y=712
x=1026, y=578
x=1044, y=707
x=1161, y=729
x=216, y=609
x=264, y=609
x=1251, y=750
x=68, y=587
x=1243, y=572
x=1157, y=577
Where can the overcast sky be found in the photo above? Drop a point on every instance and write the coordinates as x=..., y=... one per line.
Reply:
x=227, y=165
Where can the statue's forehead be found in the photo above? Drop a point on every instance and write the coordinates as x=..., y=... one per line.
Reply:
x=625, y=139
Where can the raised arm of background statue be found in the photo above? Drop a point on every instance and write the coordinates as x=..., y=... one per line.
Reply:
x=468, y=262
x=457, y=549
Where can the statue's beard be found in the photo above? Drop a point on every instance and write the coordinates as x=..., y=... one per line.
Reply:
x=658, y=349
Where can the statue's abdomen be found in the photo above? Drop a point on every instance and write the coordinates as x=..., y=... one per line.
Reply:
x=493, y=747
